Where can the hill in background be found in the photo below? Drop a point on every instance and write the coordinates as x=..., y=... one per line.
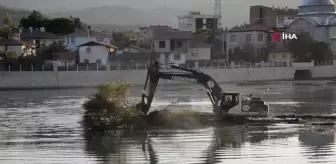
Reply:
x=108, y=17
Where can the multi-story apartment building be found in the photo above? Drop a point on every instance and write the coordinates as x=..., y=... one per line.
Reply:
x=195, y=21
x=271, y=17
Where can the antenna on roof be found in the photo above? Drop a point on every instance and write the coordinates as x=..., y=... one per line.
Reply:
x=273, y=5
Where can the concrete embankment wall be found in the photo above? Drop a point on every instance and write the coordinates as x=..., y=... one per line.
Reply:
x=137, y=77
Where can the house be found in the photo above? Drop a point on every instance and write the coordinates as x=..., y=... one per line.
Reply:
x=38, y=38
x=280, y=55
x=199, y=52
x=172, y=46
x=72, y=41
x=13, y=45
x=65, y=59
x=255, y=35
x=93, y=52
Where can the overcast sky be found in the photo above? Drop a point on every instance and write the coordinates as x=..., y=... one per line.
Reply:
x=229, y=6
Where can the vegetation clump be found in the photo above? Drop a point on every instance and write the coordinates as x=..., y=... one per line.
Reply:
x=109, y=109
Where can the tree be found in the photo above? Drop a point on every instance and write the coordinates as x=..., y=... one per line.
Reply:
x=59, y=26
x=204, y=35
x=48, y=53
x=300, y=47
x=8, y=31
x=121, y=40
x=305, y=49
x=35, y=20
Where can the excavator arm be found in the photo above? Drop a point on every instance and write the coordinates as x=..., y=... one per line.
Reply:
x=193, y=76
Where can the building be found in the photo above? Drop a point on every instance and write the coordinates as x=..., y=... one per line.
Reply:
x=199, y=52
x=172, y=46
x=195, y=21
x=38, y=38
x=318, y=19
x=13, y=45
x=271, y=17
x=94, y=52
x=255, y=35
x=72, y=41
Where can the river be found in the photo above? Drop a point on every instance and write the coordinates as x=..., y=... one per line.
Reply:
x=43, y=127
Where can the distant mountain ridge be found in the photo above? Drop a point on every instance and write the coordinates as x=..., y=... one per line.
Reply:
x=107, y=17
x=122, y=15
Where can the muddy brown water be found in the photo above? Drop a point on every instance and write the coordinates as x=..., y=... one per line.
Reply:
x=42, y=127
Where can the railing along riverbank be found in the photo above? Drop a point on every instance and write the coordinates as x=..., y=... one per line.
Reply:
x=141, y=66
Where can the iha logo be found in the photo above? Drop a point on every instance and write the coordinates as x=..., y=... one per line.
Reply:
x=277, y=36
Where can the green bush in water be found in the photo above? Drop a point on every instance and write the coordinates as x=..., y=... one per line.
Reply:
x=108, y=108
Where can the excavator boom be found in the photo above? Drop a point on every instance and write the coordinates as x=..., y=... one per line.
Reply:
x=192, y=76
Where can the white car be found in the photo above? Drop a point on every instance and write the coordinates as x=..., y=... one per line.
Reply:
x=172, y=64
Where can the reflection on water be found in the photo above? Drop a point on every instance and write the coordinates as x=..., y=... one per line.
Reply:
x=42, y=127
x=318, y=143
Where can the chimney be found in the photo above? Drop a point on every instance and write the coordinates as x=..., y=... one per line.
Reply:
x=286, y=8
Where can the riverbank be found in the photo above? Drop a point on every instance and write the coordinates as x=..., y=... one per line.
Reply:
x=89, y=79
x=314, y=81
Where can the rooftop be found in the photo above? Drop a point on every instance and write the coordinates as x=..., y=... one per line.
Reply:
x=94, y=43
x=85, y=34
x=37, y=34
x=317, y=2
x=249, y=27
x=174, y=35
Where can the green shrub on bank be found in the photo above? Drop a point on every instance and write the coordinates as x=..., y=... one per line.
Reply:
x=108, y=108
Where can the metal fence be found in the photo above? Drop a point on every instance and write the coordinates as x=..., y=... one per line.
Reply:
x=141, y=66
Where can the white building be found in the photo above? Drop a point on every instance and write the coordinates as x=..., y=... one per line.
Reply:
x=94, y=52
x=250, y=34
x=318, y=18
x=72, y=41
x=198, y=52
x=195, y=21
x=172, y=46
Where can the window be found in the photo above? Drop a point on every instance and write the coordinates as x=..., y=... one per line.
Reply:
x=233, y=38
x=260, y=37
x=88, y=50
x=86, y=61
x=162, y=44
x=72, y=40
x=194, y=53
x=281, y=20
x=178, y=44
x=177, y=57
x=98, y=61
x=248, y=37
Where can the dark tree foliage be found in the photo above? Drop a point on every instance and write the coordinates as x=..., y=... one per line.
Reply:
x=121, y=40
x=305, y=49
x=59, y=26
x=48, y=52
x=248, y=53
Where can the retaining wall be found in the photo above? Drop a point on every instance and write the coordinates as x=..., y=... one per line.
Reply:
x=137, y=77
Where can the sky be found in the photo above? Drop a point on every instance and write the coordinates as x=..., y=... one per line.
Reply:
x=228, y=5
x=233, y=11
